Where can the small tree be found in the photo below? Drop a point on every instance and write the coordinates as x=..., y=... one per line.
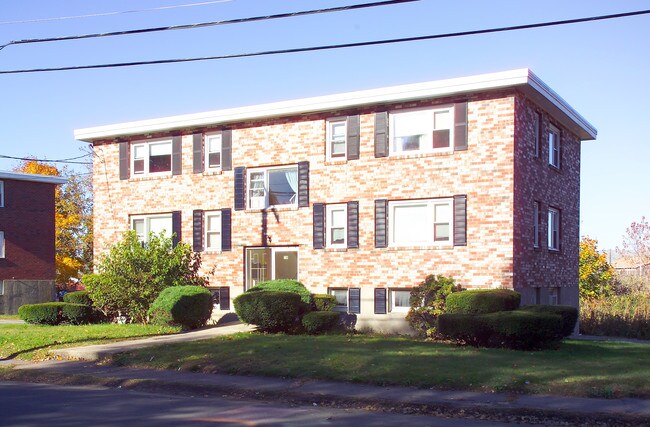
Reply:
x=596, y=274
x=428, y=302
x=636, y=242
x=132, y=275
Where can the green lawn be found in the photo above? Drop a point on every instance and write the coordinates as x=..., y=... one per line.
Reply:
x=577, y=368
x=32, y=342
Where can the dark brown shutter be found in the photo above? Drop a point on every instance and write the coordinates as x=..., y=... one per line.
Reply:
x=353, y=224
x=381, y=134
x=380, y=301
x=124, y=160
x=226, y=229
x=240, y=188
x=354, y=295
x=319, y=226
x=460, y=220
x=303, y=184
x=176, y=228
x=177, y=161
x=226, y=150
x=354, y=131
x=224, y=298
x=381, y=223
x=197, y=153
x=460, y=126
x=197, y=230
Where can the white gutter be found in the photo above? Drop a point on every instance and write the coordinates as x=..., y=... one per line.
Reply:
x=436, y=89
x=48, y=179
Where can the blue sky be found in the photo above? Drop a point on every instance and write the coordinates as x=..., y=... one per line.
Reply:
x=600, y=68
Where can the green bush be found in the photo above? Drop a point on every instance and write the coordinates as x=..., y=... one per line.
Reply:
x=465, y=328
x=616, y=316
x=318, y=322
x=187, y=306
x=428, y=302
x=284, y=285
x=569, y=315
x=78, y=297
x=483, y=301
x=49, y=313
x=270, y=311
x=77, y=314
x=324, y=302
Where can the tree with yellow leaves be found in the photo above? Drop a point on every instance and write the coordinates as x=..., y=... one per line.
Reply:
x=596, y=274
x=73, y=220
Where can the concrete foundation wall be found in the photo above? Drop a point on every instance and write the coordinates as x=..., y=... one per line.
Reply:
x=19, y=292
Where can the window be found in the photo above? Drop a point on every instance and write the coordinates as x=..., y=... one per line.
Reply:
x=400, y=300
x=554, y=147
x=337, y=225
x=270, y=264
x=2, y=244
x=213, y=152
x=537, y=128
x=421, y=131
x=536, y=221
x=213, y=231
x=2, y=194
x=553, y=229
x=151, y=158
x=336, y=139
x=553, y=296
x=272, y=187
x=144, y=225
x=421, y=222
x=341, y=296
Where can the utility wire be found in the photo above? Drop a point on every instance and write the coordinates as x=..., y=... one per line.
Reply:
x=93, y=15
x=337, y=46
x=209, y=24
x=70, y=160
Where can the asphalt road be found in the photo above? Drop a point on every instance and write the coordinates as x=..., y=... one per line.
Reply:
x=26, y=404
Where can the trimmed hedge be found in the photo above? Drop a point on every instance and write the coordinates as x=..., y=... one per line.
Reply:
x=569, y=315
x=284, y=285
x=324, y=302
x=49, y=313
x=466, y=328
x=77, y=314
x=270, y=311
x=78, y=297
x=482, y=301
x=187, y=306
x=318, y=322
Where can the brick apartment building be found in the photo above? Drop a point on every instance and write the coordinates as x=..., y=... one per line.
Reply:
x=361, y=194
x=27, y=269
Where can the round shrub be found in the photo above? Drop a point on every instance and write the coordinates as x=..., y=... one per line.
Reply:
x=284, y=285
x=49, y=313
x=483, y=301
x=78, y=297
x=324, y=302
x=77, y=314
x=428, y=302
x=569, y=315
x=187, y=306
x=318, y=322
x=270, y=311
x=523, y=330
x=465, y=328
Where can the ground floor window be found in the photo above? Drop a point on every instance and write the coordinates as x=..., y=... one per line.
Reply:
x=400, y=300
x=341, y=296
x=270, y=264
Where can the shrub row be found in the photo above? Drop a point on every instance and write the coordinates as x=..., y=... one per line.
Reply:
x=78, y=297
x=483, y=301
x=186, y=306
x=617, y=316
x=54, y=313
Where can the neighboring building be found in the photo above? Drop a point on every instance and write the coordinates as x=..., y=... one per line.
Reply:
x=361, y=194
x=27, y=252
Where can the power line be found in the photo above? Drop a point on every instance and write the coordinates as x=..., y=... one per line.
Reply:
x=94, y=15
x=69, y=160
x=208, y=24
x=330, y=47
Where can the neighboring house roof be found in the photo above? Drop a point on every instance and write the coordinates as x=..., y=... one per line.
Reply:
x=522, y=79
x=48, y=179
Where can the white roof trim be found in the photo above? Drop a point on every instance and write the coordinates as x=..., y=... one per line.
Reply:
x=435, y=89
x=48, y=179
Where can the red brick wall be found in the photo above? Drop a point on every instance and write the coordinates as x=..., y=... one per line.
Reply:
x=27, y=220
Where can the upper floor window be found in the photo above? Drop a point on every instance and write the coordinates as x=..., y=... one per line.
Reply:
x=2, y=194
x=336, y=139
x=421, y=222
x=144, y=225
x=272, y=187
x=213, y=152
x=553, y=229
x=554, y=146
x=421, y=131
x=213, y=231
x=2, y=245
x=153, y=157
x=337, y=225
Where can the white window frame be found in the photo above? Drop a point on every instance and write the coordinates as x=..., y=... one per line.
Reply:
x=272, y=250
x=331, y=123
x=553, y=229
x=209, y=138
x=259, y=203
x=426, y=143
x=330, y=209
x=2, y=194
x=536, y=216
x=430, y=205
x=343, y=309
x=554, y=147
x=2, y=244
x=147, y=148
x=210, y=232
x=553, y=295
x=147, y=225
x=392, y=307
